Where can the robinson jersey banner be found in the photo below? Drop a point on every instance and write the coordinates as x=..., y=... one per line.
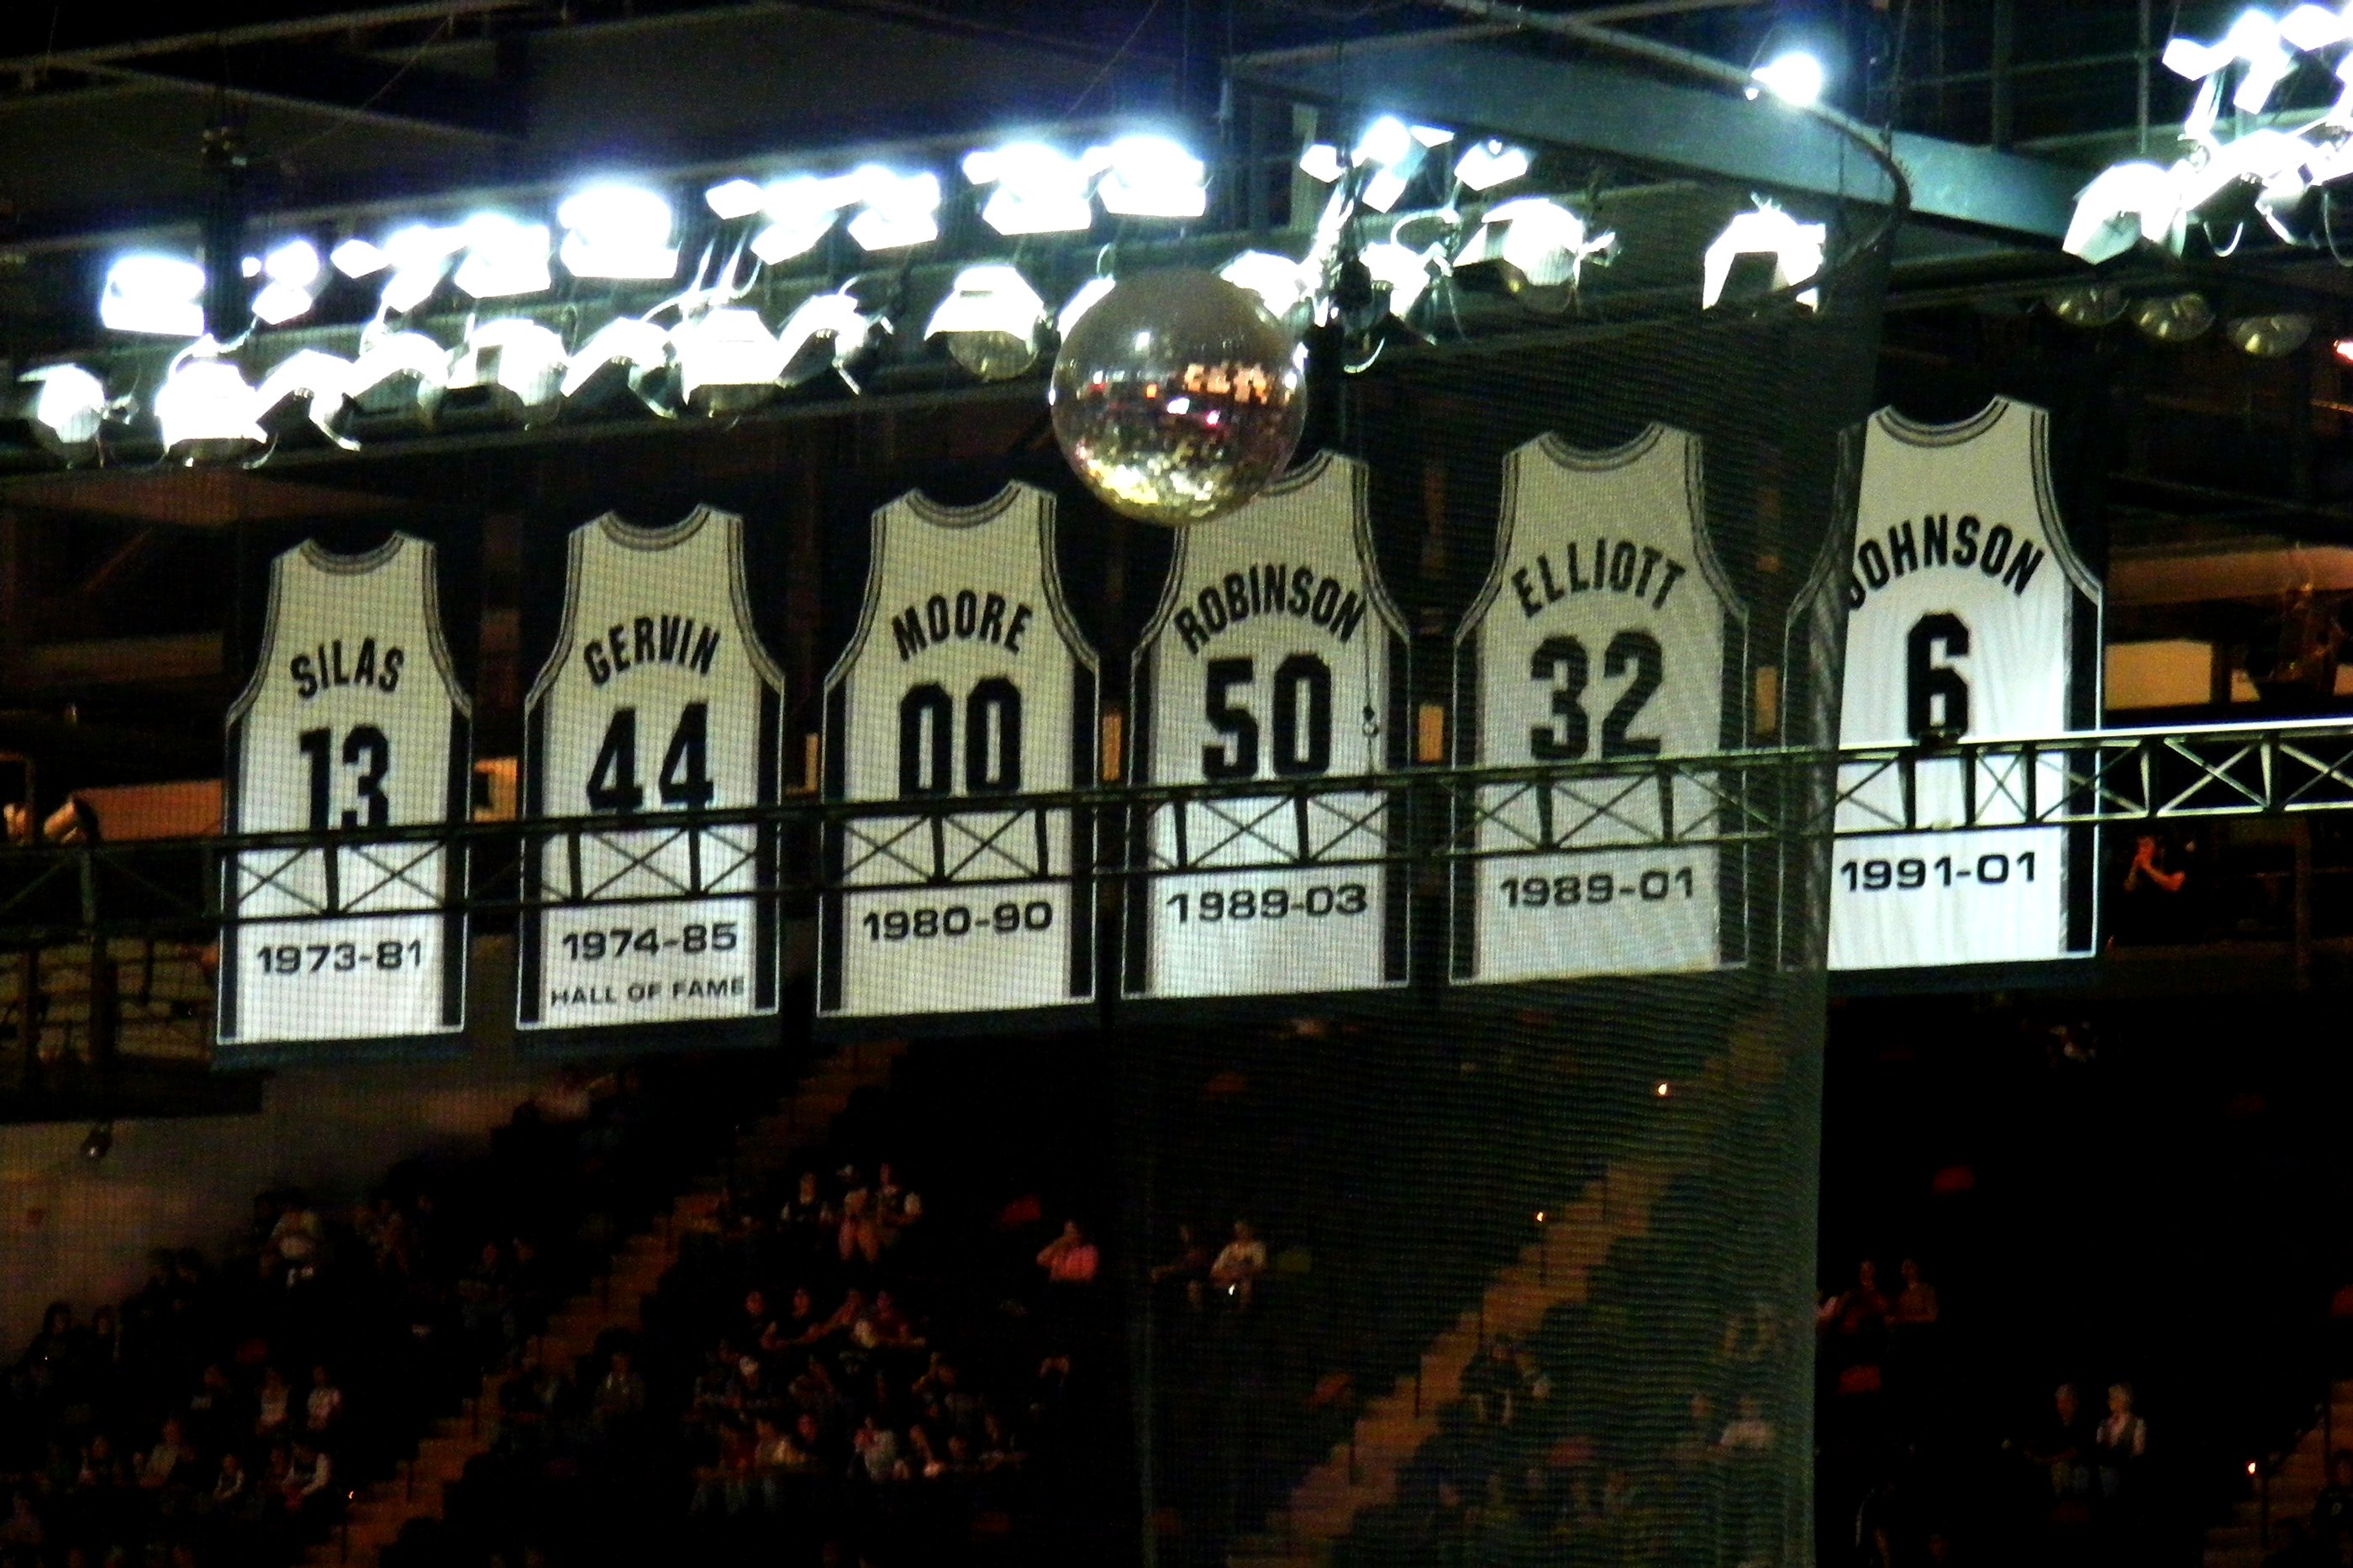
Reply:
x=1606, y=632
x=967, y=678
x=354, y=721
x=1275, y=653
x=657, y=703
x=1968, y=618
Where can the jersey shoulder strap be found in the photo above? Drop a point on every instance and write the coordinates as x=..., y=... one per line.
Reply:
x=726, y=530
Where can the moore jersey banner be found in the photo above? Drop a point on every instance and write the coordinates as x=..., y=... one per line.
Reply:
x=1968, y=618
x=1607, y=632
x=1276, y=655
x=354, y=721
x=657, y=704
x=967, y=678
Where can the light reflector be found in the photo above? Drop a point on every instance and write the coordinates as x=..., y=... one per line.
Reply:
x=503, y=258
x=163, y=295
x=1794, y=248
x=67, y=407
x=992, y=320
x=617, y=231
x=1150, y=176
x=1039, y=189
x=900, y=210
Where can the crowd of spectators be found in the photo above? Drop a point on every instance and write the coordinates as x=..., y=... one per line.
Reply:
x=224, y=1412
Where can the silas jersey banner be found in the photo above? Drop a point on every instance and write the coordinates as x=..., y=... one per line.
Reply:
x=354, y=721
x=966, y=679
x=1606, y=633
x=1968, y=618
x=1276, y=655
x=658, y=704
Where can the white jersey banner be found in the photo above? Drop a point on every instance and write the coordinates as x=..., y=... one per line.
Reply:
x=967, y=678
x=1968, y=618
x=1275, y=653
x=1607, y=632
x=353, y=720
x=657, y=703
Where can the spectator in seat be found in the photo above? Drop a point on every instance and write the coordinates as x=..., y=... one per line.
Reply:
x=1188, y=1270
x=1070, y=1258
x=231, y=1497
x=272, y=1417
x=322, y=1410
x=168, y=1462
x=2060, y=1448
x=2150, y=908
x=2120, y=1444
x=1238, y=1265
x=310, y=1481
x=621, y=1396
x=1915, y=1305
x=2332, y=1510
x=859, y=1237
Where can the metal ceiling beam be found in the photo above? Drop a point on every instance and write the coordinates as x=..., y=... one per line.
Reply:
x=1511, y=91
x=325, y=25
x=341, y=85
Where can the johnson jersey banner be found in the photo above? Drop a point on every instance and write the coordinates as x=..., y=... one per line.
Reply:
x=354, y=721
x=1606, y=632
x=1275, y=653
x=1968, y=618
x=658, y=704
x=965, y=678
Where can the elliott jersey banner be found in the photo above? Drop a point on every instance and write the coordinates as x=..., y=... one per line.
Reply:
x=967, y=678
x=658, y=703
x=1276, y=655
x=1969, y=619
x=354, y=721
x=1607, y=632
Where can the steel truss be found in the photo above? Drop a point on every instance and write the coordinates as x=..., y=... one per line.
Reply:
x=1782, y=799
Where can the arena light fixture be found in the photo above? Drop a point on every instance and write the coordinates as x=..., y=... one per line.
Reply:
x=2314, y=27
x=2256, y=41
x=1531, y=242
x=1146, y=175
x=312, y=380
x=291, y=286
x=732, y=199
x=619, y=232
x=510, y=368
x=2087, y=304
x=636, y=347
x=2123, y=205
x=1766, y=235
x=1796, y=77
x=1395, y=152
x=161, y=295
x=801, y=211
x=205, y=407
x=419, y=257
x=2343, y=349
x=1283, y=286
x=504, y=258
x=1039, y=189
x=1406, y=271
x=1322, y=163
x=65, y=408
x=2274, y=334
x=1486, y=165
x=993, y=322
x=356, y=257
x=826, y=332
x=2173, y=317
x=728, y=361
x=398, y=379
x=896, y=210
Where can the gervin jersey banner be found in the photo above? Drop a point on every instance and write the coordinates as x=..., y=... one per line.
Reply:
x=965, y=678
x=353, y=720
x=1968, y=618
x=657, y=703
x=1275, y=653
x=1607, y=632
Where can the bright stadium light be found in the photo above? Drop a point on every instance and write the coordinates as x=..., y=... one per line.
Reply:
x=417, y=255
x=2313, y=28
x=897, y=210
x=827, y=332
x=398, y=378
x=356, y=257
x=727, y=360
x=1149, y=176
x=163, y=295
x=206, y=408
x=1281, y=284
x=292, y=271
x=1486, y=165
x=312, y=380
x=1039, y=189
x=801, y=211
x=1765, y=234
x=66, y=409
x=1090, y=294
x=1794, y=76
x=1531, y=242
x=638, y=347
x=503, y=258
x=992, y=320
x=511, y=367
x=2258, y=41
x=1396, y=151
x=732, y=199
x=1406, y=270
x=1322, y=163
x=619, y=232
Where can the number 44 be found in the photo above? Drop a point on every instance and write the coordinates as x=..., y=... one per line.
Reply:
x=685, y=778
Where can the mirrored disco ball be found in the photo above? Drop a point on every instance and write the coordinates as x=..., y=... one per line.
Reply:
x=1177, y=397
